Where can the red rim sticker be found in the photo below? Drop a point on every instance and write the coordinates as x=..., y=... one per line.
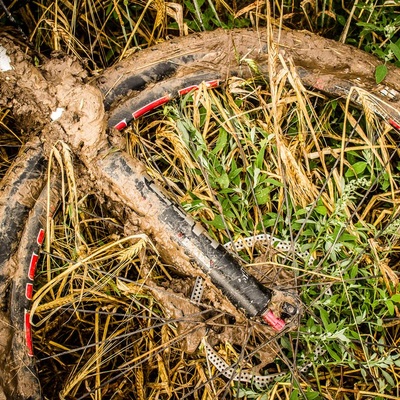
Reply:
x=29, y=291
x=32, y=266
x=209, y=84
x=151, y=106
x=28, y=333
x=40, y=237
x=394, y=124
x=188, y=89
x=121, y=125
x=212, y=84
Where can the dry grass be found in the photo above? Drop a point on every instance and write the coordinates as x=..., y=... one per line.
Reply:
x=119, y=334
x=254, y=157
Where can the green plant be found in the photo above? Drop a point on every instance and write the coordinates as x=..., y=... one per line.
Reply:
x=239, y=187
x=242, y=161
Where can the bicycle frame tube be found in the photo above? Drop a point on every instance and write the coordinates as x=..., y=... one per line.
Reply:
x=170, y=223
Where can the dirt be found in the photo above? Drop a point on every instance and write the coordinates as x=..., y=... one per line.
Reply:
x=190, y=324
x=33, y=94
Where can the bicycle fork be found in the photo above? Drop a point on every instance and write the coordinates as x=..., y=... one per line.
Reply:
x=274, y=307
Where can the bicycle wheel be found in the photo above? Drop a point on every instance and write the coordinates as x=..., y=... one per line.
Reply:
x=114, y=172
x=19, y=191
x=325, y=65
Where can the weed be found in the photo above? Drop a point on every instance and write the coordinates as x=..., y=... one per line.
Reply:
x=251, y=159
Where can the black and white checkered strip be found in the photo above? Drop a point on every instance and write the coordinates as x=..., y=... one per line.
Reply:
x=243, y=376
x=282, y=245
x=212, y=357
x=197, y=292
x=237, y=374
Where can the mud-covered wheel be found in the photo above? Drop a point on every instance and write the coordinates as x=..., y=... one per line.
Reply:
x=121, y=94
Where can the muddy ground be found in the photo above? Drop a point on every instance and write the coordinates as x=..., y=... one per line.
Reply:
x=34, y=93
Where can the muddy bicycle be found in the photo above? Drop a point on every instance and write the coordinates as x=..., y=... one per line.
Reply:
x=236, y=305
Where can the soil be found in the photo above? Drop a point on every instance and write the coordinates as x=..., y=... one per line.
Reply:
x=33, y=94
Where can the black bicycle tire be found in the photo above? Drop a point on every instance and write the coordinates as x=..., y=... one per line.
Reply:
x=147, y=86
x=335, y=69
x=20, y=190
x=26, y=259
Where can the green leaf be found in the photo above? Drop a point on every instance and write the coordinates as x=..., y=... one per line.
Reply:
x=356, y=169
x=221, y=142
x=341, y=20
x=333, y=354
x=183, y=131
x=321, y=210
x=274, y=182
x=390, y=306
x=256, y=174
x=331, y=328
x=354, y=335
x=311, y=395
x=294, y=395
x=389, y=378
x=190, y=7
x=269, y=222
x=346, y=237
x=395, y=49
x=234, y=175
x=380, y=73
x=262, y=196
x=396, y=298
x=367, y=25
x=223, y=180
x=217, y=222
x=260, y=158
x=324, y=316
x=300, y=211
x=353, y=271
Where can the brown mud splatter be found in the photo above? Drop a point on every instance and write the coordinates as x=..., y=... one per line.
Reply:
x=34, y=93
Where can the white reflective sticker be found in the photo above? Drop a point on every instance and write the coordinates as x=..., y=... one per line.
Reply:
x=55, y=115
x=4, y=60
